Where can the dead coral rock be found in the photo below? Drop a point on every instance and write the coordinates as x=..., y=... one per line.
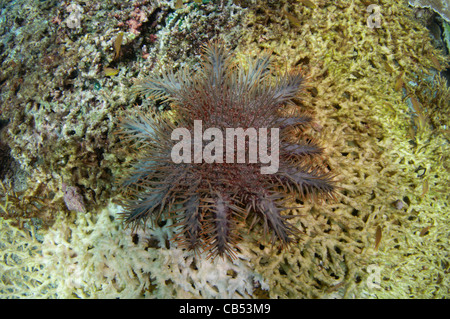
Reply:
x=441, y=7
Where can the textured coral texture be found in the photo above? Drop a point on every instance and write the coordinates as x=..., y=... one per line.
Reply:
x=381, y=113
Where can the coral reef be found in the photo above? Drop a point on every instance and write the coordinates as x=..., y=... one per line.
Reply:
x=49, y=93
x=379, y=106
x=370, y=130
x=98, y=259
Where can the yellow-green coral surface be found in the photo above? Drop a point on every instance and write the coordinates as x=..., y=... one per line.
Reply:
x=386, y=139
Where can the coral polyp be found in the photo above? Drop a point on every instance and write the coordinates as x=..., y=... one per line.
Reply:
x=236, y=183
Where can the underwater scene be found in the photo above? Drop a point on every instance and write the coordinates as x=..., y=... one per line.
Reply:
x=212, y=149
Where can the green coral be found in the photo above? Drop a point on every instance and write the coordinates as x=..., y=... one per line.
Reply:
x=373, y=142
